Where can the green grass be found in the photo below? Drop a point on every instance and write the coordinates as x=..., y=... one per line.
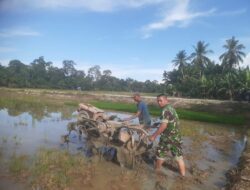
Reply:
x=211, y=118
x=71, y=103
x=116, y=106
x=32, y=103
x=183, y=114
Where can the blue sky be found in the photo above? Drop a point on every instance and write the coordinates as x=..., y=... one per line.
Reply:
x=132, y=38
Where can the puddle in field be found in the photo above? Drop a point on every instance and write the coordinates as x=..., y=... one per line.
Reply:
x=209, y=149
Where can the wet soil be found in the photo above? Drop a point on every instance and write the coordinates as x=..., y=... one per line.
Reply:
x=209, y=150
x=238, y=177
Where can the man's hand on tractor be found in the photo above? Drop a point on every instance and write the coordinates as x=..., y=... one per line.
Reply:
x=152, y=138
x=155, y=125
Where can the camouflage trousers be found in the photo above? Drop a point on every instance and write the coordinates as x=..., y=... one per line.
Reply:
x=164, y=147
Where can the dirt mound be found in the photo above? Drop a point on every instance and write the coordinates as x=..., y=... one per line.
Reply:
x=239, y=177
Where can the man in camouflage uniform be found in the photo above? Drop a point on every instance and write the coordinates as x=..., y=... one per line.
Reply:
x=170, y=140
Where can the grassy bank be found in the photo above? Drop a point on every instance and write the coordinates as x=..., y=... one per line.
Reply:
x=183, y=114
x=35, y=101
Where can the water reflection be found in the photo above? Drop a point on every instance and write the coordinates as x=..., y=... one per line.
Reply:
x=37, y=108
x=24, y=133
x=209, y=149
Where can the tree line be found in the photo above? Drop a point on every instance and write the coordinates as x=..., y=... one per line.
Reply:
x=198, y=76
x=42, y=74
x=195, y=76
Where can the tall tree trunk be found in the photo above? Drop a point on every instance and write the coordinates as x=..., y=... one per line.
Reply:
x=231, y=94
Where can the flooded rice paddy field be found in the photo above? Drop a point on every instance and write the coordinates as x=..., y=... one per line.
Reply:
x=32, y=155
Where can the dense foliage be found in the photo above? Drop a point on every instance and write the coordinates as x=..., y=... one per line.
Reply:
x=42, y=74
x=196, y=75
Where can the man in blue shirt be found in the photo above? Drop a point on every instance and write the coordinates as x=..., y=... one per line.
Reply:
x=142, y=112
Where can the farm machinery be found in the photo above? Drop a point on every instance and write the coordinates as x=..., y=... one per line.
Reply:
x=130, y=141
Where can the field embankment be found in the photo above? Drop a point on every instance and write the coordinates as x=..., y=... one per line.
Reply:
x=214, y=111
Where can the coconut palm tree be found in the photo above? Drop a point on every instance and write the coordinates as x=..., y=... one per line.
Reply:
x=233, y=55
x=180, y=61
x=229, y=84
x=232, y=58
x=244, y=82
x=199, y=57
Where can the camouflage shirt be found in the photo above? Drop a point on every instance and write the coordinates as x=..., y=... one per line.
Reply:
x=171, y=135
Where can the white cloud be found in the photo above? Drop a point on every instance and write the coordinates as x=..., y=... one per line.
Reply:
x=174, y=12
x=177, y=15
x=92, y=5
x=5, y=33
x=136, y=71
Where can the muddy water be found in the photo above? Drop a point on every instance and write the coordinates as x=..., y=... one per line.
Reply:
x=210, y=150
